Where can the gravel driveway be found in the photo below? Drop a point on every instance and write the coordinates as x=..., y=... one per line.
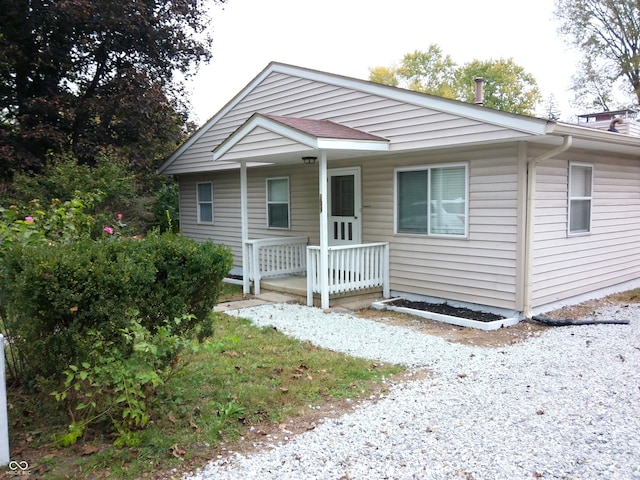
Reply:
x=561, y=405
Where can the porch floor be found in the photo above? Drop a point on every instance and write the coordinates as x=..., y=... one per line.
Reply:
x=296, y=286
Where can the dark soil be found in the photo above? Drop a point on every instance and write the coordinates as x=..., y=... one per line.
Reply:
x=446, y=309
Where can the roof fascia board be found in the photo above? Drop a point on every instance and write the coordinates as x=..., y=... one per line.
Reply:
x=344, y=144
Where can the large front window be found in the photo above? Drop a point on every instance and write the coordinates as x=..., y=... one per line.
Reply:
x=432, y=200
x=278, y=202
x=580, y=186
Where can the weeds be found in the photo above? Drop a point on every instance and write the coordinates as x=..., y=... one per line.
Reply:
x=248, y=376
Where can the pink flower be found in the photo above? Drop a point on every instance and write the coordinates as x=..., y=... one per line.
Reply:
x=28, y=219
x=119, y=216
x=109, y=230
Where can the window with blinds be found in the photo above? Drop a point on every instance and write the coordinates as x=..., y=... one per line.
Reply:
x=432, y=200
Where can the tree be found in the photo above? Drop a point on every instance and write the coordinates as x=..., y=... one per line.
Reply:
x=82, y=75
x=551, y=108
x=507, y=86
x=607, y=33
x=384, y=75
x=429, y=72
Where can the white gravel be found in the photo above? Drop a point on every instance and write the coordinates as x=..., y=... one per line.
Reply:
x=562, y=405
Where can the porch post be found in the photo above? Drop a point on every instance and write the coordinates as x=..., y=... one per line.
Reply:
x=246, y=259
x=324, y=237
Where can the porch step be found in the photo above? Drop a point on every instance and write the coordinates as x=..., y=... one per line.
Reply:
x=296, y=286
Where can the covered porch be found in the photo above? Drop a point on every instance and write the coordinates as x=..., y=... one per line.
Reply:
x=341, y=263
x=289, y=265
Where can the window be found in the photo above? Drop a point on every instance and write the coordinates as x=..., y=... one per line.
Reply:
x=342, y=195
x=205, y=202
x=432, y=200
x=278, y=202
x=580, y=188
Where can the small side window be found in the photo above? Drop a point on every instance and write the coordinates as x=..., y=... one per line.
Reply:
x=580, y=198
x=205, y=202
x=278, y=202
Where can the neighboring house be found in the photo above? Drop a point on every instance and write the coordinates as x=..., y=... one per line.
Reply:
x=366, y=186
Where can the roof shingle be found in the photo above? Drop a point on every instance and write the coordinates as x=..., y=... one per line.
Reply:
x=324, y=128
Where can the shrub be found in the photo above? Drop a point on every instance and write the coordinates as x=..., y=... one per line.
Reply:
x=56, y=294
x=145, y=198
x=116, y=387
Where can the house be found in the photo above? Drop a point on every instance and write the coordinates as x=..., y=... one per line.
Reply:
x=358, y=186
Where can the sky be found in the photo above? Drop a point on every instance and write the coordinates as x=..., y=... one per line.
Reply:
x=348, y=37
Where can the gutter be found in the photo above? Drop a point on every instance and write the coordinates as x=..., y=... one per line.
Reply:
x=529, y=229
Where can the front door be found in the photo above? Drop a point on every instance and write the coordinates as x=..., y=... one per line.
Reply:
x=344, y=206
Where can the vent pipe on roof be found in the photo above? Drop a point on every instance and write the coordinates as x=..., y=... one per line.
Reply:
x=479, y=91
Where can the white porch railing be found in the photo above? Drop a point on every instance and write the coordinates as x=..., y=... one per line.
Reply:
x=349, y=268
x=272, y=257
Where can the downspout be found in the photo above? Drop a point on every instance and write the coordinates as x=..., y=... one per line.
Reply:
x=529, y=229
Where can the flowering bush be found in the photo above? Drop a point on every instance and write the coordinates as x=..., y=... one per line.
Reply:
x=58, y=283
x=99, y=315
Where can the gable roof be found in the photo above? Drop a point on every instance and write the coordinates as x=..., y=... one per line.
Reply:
x=305, y=136
x=325, y=128
x=325, y=105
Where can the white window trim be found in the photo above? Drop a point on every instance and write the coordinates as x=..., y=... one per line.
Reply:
x=199, y=202
x=267, y=202
x=569, y=198
x=429, y=167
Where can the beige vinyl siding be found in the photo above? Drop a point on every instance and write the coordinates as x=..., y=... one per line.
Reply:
x=407, y=126
x=481, y=269
x=568, y=266
x=303, y=186
x=227, y=228
x=262, y=142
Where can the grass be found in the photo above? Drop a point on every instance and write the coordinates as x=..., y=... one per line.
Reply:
x=251, y=377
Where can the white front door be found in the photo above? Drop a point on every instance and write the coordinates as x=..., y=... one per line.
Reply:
x=344, y=204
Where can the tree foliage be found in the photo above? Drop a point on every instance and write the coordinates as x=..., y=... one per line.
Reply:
x=607, y=33
x=145, y=200
x=429, y=72
x=82, y=75
x=551, y=108
x=508, y=86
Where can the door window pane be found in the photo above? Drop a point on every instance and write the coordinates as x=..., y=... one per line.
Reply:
x=342, y=196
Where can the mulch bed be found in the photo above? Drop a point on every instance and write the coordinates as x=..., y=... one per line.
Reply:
x=445, y=309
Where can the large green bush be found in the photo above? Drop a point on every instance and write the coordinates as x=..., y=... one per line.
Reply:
x=100, y=323
x=56, y=294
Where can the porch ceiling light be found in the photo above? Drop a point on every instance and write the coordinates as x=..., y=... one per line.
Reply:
x=309, y=160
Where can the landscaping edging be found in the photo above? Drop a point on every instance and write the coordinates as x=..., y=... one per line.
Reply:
x=459, y=321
